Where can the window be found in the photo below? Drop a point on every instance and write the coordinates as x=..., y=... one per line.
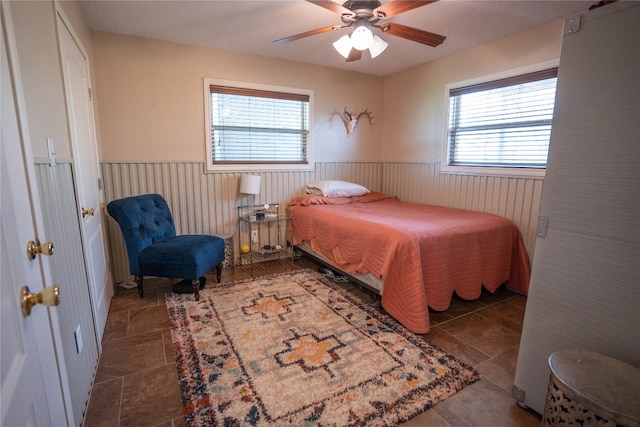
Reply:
x=257, y=127
x=502, y=123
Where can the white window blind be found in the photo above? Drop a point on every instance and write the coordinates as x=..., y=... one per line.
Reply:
x=502, y=123
x=253, y=126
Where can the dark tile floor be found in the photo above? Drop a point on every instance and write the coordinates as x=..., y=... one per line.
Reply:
x=136, y=382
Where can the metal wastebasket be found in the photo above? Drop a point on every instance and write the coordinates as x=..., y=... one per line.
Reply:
x=591, y=389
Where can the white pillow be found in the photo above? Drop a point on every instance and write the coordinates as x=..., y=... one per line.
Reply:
x=333, y=188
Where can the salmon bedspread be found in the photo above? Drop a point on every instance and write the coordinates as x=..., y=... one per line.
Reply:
x=423, y=253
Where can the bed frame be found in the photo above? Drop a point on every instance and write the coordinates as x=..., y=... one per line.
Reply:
x=366, y=282
x=425, y=253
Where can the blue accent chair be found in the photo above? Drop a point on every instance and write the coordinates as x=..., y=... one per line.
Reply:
x=154, y=249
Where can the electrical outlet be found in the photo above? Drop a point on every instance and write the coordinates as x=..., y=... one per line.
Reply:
x=254, y=236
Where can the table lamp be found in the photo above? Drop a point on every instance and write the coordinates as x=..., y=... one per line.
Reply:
x=250, y=184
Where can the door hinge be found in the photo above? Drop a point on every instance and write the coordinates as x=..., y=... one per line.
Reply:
x=99, y=184
x=518, y=394
x=571, y=25
x=90, y=94
x=543, y=222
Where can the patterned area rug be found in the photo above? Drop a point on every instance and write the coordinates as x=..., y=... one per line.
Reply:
x=296, y=349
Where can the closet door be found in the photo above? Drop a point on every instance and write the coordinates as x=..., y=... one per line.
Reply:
x=585, y=282
x=90, y=208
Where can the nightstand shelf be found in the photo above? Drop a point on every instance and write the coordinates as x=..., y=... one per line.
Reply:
x=262, y=231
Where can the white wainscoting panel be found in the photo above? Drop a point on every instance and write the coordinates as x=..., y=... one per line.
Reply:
x=207, y=202
x=62, y=227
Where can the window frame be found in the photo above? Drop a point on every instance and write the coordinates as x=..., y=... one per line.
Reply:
x=489, y=170
x=212, y=167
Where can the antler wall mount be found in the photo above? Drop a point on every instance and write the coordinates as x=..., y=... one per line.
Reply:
x=351, y=119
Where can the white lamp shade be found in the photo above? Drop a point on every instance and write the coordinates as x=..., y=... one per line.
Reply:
x=362, y=37
x=343, y=46
x=377, y=46
x=250, y=184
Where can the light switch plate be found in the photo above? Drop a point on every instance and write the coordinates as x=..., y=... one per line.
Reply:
x=51, y=151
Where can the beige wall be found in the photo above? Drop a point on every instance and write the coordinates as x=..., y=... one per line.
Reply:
x=150, y=96
x=151, y=100
x=42, y=81
x=35, y=25
x=415, y=100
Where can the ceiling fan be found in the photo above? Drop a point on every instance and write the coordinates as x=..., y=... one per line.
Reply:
x=365, y=16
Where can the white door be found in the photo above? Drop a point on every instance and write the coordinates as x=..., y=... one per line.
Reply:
x=89, y=194
x=585, y=278
x=31, y=393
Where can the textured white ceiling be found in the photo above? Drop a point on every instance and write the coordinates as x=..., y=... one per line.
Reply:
x=250, y=26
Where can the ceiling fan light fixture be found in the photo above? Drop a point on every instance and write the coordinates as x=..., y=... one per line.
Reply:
x=361, y=38
x=363, y=17
x=343, y=45
x=377, y=46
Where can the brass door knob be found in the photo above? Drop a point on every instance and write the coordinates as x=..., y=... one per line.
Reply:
x=50, y=296
x=35, y=248
x=86, y=212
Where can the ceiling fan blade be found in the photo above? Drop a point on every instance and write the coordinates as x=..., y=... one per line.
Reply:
x=309, y=33
x=354, y=55
x=414, y=34
x=332, y=6
x=396, y=7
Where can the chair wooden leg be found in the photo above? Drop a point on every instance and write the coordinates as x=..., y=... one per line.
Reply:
x=140, y=289
x=219, y=272
x=196, y=289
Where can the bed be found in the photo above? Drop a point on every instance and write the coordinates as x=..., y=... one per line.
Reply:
x=415, y=255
